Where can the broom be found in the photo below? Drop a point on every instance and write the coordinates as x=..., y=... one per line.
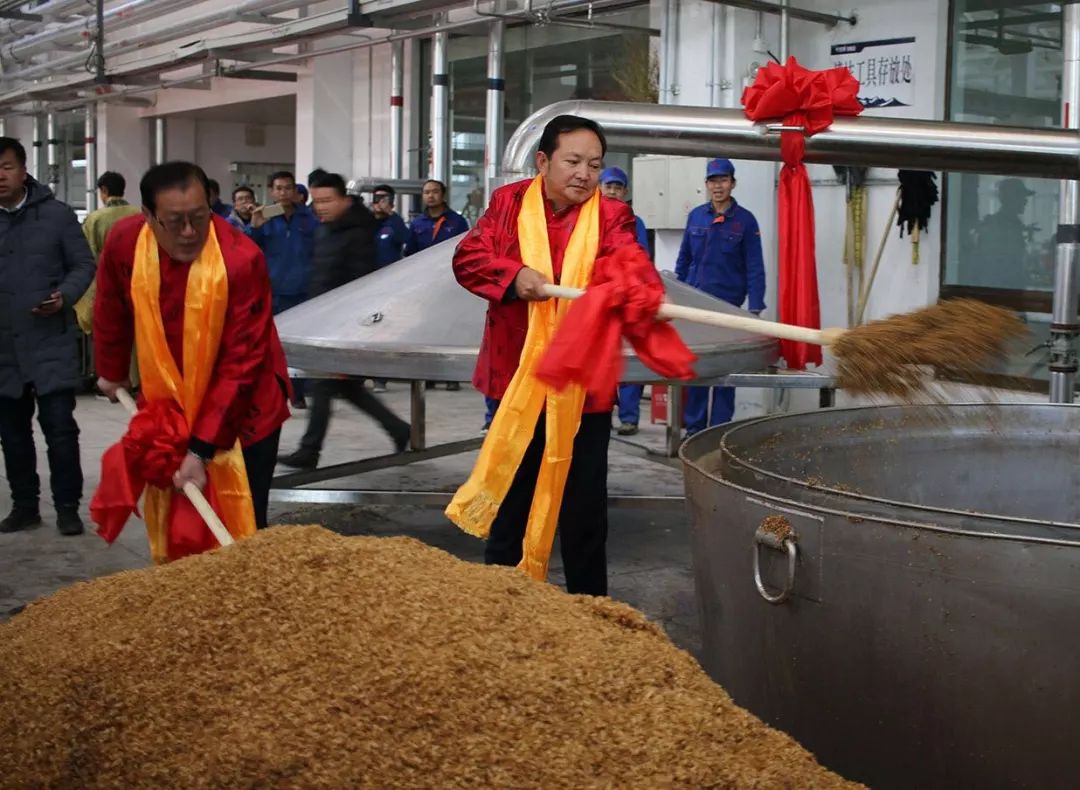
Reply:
x=960, y=338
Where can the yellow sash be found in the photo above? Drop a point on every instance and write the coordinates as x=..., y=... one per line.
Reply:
x=205, y=302
x=476, y=503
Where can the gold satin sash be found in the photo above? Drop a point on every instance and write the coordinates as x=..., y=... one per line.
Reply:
x=205, y=301
x=477, y=502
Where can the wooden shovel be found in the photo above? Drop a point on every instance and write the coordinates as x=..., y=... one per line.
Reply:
x=818, y=337
x=191, y=491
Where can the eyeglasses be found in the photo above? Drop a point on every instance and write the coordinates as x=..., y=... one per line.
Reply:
x=179, y=224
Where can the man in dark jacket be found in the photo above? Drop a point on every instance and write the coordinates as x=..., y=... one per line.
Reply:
x=45, y=266
x=344, y=251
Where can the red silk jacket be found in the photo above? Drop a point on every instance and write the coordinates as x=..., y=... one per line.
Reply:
x=489, y=258
x=247, y=395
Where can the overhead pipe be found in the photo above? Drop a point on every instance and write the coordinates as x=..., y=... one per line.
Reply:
x=126, y=44
x=553, y=14
x=226, y=71
x=495, y=113
x=861, y=141
x=1066, y=303
x=53, y=154
x=90, y=143
x=11, y=28
x=805, y=14
x=439, y=165
x=130, y=13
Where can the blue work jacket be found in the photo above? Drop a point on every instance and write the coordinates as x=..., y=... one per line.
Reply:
x=288, y=245
x=642, y=233
x=390, y=239
x=425, y=231
x=721, y=255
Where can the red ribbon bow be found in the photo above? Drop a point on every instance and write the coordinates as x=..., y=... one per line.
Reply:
x=620, y=302
x=149, y=454
x=810, y=99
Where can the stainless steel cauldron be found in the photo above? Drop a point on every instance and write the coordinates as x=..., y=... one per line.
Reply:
x=921, y=628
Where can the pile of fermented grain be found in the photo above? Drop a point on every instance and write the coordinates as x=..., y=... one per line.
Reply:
x=958, y=339
x=301, y=658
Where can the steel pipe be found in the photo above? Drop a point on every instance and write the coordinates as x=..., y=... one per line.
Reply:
x=785, y=30
x=1064, y=324
x=439, y=166
x=495, y=113
x=129, y=13
x=90, y=141
x=36, y=146
x=161, y=150
x=10, y=28
x=397, y=108
x=865, y=141
x=125, y=44
x=51, y=132
x=805, y=14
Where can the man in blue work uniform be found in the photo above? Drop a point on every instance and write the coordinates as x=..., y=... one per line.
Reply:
x=614, y=184
x=721, y=255
x=391, y=235
x=288, y=242
x=437, y=223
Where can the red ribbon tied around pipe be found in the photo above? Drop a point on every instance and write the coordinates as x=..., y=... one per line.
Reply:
x=809, y=99
x=620, y=302
x=149, y=453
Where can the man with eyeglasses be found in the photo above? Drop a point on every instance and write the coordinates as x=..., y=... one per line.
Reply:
x=391, y=233
x=195, y=294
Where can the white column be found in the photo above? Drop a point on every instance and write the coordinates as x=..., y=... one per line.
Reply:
x=324, y=115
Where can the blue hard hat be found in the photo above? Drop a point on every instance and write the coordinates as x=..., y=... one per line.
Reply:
x=719, y=167
x=614, y=175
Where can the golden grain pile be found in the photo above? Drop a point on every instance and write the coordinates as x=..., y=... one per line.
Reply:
x=958, y=339
x=299, y=658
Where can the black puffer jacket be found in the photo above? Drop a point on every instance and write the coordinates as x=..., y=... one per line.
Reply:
x=344, y=250
x=42, y=249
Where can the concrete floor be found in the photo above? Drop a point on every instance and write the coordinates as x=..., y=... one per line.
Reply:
x=648, y=551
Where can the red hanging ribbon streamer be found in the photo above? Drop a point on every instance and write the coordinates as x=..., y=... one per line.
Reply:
x=620, y=302
x=810, y=99
x=149, y=454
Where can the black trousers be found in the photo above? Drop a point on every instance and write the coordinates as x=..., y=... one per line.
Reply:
x=260, y=460
x=583, y=524
x=323, y=393
x=56, y=415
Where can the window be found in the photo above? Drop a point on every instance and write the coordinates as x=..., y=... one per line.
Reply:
x=1005, y=65
x=542, y=65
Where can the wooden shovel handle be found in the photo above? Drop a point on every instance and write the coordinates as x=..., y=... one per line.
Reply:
x=818, y=337
x=191, y=491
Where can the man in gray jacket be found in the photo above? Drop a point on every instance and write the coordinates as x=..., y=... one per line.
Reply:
x=45, y=266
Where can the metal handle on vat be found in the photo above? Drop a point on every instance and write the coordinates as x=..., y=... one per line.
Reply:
x=762, y=537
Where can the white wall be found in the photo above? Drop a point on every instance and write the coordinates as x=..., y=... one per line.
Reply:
x=217, y=143
x=124, y=142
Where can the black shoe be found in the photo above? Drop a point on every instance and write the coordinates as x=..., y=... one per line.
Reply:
x=301, y=459
x=299, y=404
x=20, y=518
x=453, y=386
x=68, y=521
x=402, y=438
x=628, y=429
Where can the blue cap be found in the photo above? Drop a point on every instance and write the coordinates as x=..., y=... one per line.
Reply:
x=719, y=167
x=614, y=175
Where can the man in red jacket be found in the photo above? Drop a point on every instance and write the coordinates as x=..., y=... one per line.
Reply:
x=489, y=263
x=246, y=397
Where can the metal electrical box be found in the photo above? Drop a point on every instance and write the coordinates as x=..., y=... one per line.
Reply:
x=666, y=188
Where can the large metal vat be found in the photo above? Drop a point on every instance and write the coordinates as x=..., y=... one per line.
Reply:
x=930, y=636
x=412, y=320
